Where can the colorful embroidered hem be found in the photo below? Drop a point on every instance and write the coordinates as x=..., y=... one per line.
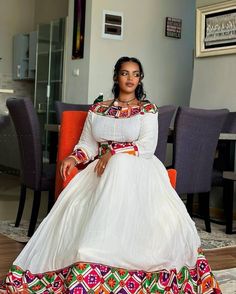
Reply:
x=117, y=147
x=100, y=279
x=123, y=112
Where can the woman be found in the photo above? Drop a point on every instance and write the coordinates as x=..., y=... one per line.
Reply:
x=119, y=226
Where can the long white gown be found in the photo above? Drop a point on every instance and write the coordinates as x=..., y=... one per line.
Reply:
x=129, y=218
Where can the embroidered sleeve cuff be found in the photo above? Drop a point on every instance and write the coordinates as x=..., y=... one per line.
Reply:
x=129, y=148
x=80, y=156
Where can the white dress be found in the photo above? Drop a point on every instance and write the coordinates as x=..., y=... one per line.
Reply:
x=129, y=218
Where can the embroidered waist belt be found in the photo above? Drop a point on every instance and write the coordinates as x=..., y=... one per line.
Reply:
x=117, y=147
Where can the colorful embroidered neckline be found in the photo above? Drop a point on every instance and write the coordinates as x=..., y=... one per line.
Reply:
x=123, y=112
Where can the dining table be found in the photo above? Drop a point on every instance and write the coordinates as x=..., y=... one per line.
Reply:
x=229, y=142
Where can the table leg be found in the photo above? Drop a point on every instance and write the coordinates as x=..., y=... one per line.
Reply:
x=228, y=194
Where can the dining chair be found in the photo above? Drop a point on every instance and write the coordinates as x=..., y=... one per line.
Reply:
x=165, y=115
x=196, y=133
x=71, y=128
x=35, y=174
x=63, y=106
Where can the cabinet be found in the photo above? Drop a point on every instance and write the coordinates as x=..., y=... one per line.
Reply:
x=49, y=72
x=24, y=56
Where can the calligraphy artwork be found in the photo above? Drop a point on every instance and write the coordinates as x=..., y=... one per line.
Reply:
x=216, y=29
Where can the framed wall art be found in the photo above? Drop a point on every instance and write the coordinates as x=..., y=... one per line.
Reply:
x=78, y=29
x=173, y=27
x=216, y=29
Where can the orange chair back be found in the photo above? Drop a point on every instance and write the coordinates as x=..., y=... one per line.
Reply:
x=71, y=128
x=172, y=175
x=72, y=124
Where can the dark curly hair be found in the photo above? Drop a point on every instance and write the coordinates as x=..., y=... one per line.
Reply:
x=139, y=91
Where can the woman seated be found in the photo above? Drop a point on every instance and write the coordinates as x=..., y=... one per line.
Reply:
x=119, y=226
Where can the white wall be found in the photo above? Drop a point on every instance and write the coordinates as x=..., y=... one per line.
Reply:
x=167, y=62
x=214, y=83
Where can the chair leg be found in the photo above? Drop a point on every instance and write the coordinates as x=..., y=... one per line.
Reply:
x=34, y=213
x=205, y=208
x=51, y=199
x=189, y=204
x=228, y=194
x=21, y=205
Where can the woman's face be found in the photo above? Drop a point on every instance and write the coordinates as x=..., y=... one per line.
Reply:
x=128, y=77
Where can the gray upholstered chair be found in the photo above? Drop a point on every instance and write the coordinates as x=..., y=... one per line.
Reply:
x=165, y=114
x=35, y=174
x=63, y=106
x=196, y=133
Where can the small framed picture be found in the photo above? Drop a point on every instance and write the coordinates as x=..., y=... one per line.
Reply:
x=173, y=27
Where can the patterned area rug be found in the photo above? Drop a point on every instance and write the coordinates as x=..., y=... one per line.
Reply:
x=227, y=280
x=216, y=239
x=19, y=234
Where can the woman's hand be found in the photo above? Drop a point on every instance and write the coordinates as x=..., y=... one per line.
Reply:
x=66, y=167
x=102, y=163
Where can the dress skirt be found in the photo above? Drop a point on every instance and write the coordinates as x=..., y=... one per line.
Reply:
x=124, y=232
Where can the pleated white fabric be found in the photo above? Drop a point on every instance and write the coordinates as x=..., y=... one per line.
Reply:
x=130, y=217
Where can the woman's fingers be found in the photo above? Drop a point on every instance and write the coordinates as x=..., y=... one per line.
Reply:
x=100, y=167
x=66, y=167
x=102, y=163
x=69, y=169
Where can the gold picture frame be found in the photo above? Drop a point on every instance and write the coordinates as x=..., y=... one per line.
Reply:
x=216, y=29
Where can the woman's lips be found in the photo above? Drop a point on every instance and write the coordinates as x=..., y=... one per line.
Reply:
x=129, y=84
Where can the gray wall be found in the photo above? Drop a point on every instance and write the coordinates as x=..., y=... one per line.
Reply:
x=167, y=62
x=45, y=10
x=214, y=83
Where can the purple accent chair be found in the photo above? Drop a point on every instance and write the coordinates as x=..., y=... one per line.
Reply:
x=196, y=133
x=165, y=115
x=35, y=174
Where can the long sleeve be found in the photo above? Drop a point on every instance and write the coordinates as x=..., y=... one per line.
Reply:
x=87, y=147
x=147, y=141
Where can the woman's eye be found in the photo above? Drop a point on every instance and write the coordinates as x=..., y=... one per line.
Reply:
x=137, y=75
x=123, y=73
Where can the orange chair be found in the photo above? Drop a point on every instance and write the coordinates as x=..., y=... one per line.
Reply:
x=71, y=127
